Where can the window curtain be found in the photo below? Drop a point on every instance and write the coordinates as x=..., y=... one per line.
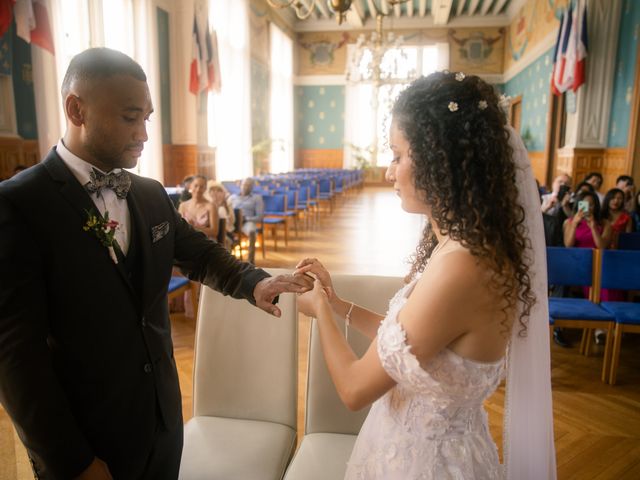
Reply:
x=229, y=111
x=281, y=117
x=363, y=130
x=78, y=25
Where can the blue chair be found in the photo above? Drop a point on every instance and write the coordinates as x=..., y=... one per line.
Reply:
x=576, y=267
x=275, y=214
x=326, y=194
x=629, y=241
x=621, y=270
x=178, y=286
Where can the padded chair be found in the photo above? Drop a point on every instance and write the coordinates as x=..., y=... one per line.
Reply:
x=275, y=214
x=178, y=286
x=629, y=241
x=326, y=193
x=330, y=428
x=576, y=267
x=621, y=271
x=244, y=391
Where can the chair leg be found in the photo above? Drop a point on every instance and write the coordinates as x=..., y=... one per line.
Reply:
x=195, y=290
x=583, y=342
x=615, y=354
x=286, y=232
x=606, y=362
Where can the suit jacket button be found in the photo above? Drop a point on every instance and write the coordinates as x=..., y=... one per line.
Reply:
x=144, y=322
x=147, y=368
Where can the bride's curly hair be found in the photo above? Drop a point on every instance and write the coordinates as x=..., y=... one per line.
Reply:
x=463, y=167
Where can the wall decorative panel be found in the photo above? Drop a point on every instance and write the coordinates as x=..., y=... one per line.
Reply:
x=16, y=151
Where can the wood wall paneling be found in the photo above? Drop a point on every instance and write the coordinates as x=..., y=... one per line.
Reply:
x=577, y=162
x=539, y=166
x=16, y=151
x=319, y=158
x=183, y=160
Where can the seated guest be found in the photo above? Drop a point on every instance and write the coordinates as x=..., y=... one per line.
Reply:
x=636, y=213
x=585, y=229
x=218, y=196
x=198, y=211
x=613, y=211
x=186, y=185
x=625, y=183
x=595, y=180
x=18, y=169
x=252, y=208
x=557, y=200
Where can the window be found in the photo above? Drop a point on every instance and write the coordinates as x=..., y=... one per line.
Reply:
x=229, y=111
x=281, y=121
x=368, y=107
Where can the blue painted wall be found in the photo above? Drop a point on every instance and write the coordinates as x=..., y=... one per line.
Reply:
x=319, y=121
x=625, y=72
x=533, y=84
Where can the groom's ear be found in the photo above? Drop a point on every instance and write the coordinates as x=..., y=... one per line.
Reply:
x=73, y=109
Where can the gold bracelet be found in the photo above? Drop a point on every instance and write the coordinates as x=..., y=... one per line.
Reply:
x=347, y=322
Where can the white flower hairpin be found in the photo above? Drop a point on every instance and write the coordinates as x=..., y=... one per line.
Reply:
x=460, y=76
x=482, y=104
x=453, y=107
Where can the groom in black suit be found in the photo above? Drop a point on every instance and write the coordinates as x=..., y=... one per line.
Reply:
x=87, y=371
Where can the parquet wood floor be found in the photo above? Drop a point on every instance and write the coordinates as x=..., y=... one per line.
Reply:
x=597, y=427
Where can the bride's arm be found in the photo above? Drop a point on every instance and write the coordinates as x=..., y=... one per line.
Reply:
x=431, y=318
x=365, y=321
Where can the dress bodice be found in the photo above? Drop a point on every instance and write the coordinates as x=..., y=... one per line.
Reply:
x=431, y=424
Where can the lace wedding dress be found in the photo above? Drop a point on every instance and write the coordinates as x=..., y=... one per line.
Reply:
x=432, y=424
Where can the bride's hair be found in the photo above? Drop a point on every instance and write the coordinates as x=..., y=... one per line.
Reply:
x=463, y=167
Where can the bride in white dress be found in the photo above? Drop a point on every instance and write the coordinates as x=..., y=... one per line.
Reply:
x=440, y=350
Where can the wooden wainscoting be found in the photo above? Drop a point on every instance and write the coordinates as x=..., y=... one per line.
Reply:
x=577, y=162
x=615, y=164
x=16, y=151
x=539, y=166
x=182, y=160
x=319, y=158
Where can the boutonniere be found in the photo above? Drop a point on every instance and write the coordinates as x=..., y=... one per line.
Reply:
x=104, y=230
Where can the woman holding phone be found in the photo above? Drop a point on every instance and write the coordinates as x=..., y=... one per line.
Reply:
x=585, y=229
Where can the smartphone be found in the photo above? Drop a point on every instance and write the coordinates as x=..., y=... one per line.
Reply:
x=564, y=189
x=584, y=206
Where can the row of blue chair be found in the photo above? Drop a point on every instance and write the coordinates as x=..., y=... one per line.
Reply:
x=597, y=269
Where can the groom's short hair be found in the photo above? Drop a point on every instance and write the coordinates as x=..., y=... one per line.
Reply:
x=95, y=63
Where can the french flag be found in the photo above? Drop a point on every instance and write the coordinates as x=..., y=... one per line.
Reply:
x=560, y=52
x=196, y=58
x=580, y=46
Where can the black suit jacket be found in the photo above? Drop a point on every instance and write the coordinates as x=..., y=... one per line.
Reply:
x=86, y=359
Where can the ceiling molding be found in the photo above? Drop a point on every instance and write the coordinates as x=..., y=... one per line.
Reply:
x=514, y=8
x=404, y=23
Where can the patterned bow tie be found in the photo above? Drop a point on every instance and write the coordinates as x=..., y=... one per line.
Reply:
x=118, y=182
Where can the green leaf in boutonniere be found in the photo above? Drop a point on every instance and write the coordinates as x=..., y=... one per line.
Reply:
x=104, y=230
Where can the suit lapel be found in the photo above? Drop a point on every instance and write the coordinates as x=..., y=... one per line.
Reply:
x=79, y=200
x=134, y=200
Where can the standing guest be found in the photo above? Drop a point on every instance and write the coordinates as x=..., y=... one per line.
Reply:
x=595, y=180
x=473, y=289
x=252, y=208
x=613, y=211
x=198, y=210
x=626, y=184
x=87, y=371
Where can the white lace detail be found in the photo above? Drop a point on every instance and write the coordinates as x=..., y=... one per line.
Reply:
x=431, y=425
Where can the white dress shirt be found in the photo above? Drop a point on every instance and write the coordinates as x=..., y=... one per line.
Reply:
x=107, y=201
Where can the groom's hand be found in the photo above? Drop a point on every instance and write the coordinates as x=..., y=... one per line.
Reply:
x=269, y=288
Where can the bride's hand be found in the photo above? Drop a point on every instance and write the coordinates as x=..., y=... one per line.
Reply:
x=312, y=301
x=313, y=265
